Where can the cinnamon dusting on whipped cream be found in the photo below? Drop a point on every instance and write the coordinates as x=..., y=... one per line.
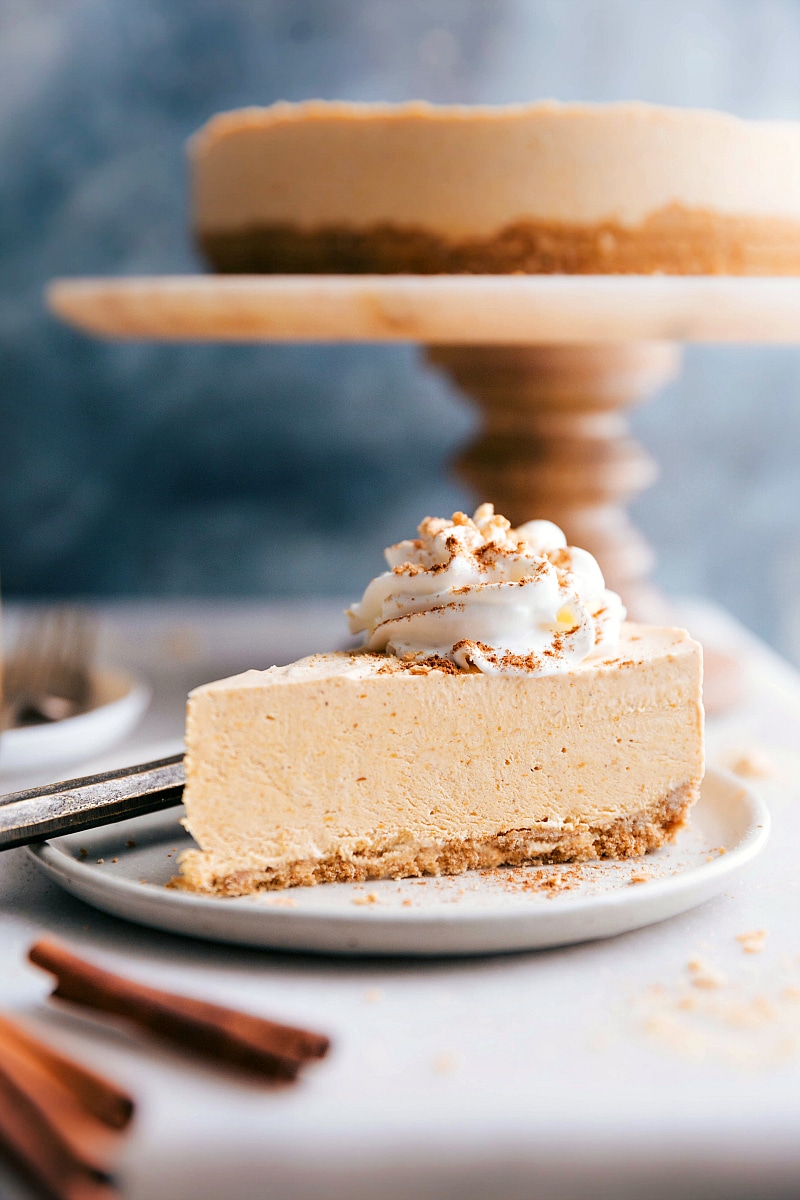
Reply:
x=479, y=595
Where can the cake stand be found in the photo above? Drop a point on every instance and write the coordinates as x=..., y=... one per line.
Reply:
x=553, y=362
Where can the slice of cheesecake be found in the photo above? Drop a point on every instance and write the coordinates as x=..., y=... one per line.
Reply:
x=363, y=766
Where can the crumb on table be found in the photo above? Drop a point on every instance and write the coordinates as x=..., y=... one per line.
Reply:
x=753, y=941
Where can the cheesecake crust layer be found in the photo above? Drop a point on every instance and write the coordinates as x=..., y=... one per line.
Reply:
x=623, y=838
x=673, y=241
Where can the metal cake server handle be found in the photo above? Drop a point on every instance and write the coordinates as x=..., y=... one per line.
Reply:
x=78, y=804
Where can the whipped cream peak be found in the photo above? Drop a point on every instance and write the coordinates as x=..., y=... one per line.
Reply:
x=490, y=598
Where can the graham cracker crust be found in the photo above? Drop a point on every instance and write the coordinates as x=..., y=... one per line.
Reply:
x=673, y=241
x=623, y=838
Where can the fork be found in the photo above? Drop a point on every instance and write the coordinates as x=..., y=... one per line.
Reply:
x=48, y=676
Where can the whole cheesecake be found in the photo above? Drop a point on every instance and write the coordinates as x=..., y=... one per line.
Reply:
x=547, y=187
x=500, y=712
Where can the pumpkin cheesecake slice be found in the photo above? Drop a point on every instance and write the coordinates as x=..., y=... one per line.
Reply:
x=500, y=713
x=532, y=188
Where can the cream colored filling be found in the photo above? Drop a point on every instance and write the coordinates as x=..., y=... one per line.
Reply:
x=339, y=752
x=464, y=172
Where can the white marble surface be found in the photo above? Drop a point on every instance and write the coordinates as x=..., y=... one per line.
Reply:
x=555, y=1074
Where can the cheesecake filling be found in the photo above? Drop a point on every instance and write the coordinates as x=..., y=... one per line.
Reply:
x=358, y=766
x=487, y=597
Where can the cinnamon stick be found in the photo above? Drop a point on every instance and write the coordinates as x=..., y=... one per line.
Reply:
x=99, y=1096
x=39, y=1147
x=240, y=1039
x=85, y=1139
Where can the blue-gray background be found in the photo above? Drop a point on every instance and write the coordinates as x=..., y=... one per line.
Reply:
x=152, y=470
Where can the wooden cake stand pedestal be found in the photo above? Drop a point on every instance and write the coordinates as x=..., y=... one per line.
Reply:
x=552, y=361
x=555, y=443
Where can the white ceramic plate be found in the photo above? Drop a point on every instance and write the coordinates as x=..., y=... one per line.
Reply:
x=521, y=908
x=120, y=703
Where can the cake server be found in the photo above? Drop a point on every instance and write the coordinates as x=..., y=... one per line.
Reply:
x=78, y=804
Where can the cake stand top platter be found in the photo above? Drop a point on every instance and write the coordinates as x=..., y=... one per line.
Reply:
x=435, y=309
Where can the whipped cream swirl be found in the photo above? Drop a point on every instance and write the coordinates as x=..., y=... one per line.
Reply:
x=488, y=597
